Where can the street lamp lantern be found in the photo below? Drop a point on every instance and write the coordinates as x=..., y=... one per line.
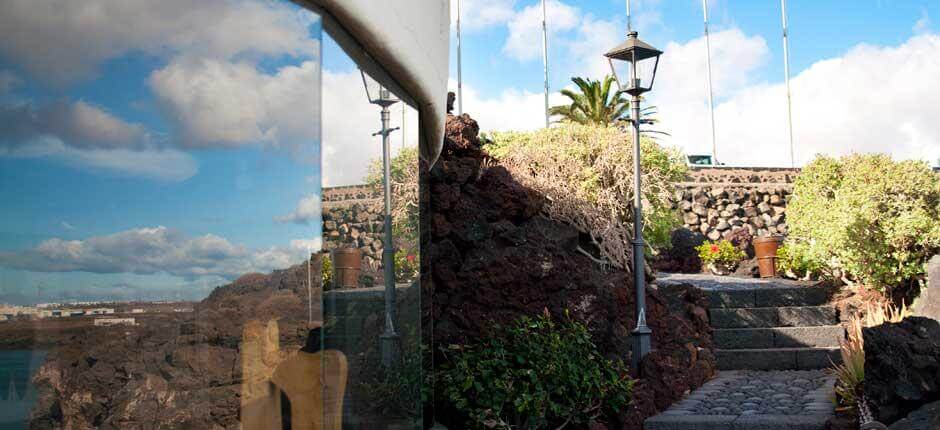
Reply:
x=389, y=339
x=376, y=92
x=634, y=65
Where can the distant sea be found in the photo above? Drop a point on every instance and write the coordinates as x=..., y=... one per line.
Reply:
x=17, y=393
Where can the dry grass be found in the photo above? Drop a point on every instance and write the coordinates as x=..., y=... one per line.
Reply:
x=850, y=374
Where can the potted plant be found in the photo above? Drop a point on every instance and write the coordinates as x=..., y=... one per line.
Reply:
x=721, y=257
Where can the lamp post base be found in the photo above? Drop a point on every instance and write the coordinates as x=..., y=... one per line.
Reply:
x=641, y=346
x=390, y=346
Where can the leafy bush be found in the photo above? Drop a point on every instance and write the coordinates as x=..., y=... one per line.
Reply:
x=406, y=265
x=794, y=261
x=864, y=218
x=404, y=175
x=326, y=271
x=722, y=252
x=586, y=173
x=534, y=374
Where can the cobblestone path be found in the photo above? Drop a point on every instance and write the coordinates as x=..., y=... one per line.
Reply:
x=746, y=399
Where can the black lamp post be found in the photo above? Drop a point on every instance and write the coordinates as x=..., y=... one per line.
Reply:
x=389, y=339
x=637, y=62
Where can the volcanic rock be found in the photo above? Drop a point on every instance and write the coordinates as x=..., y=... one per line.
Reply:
x=902, y=366
x=496, y=257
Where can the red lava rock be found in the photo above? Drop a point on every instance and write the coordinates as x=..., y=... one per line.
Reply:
x=494, y=257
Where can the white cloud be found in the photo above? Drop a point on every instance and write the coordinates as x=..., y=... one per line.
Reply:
x=222, y=104
x=525, y=29
x=155, y=163
x=64, y=41
x=66, y=225
x=307, y=211
x=510, y=110
x=835, y=110
x=83, y=135
x=480, y=14
x=153, y=250
x=77, y=124
x=348, y=124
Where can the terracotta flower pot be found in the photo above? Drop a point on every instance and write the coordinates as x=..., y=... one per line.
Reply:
x=765, y=248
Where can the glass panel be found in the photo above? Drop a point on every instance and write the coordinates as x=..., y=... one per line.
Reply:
x=160, y=189
x=382, y=348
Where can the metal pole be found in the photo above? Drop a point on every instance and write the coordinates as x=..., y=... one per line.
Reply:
x=629, y=23
x=459, y=68
x=545, y=60
x=310, y=288
x=642, y=333
x=786, y=72
x=389, y=339
x=708, y=68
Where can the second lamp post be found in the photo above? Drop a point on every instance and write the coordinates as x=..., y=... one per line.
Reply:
x=636, y=61
x=389, y=339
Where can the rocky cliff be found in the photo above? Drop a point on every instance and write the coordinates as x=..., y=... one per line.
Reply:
x=178, y=371
x=494, y=257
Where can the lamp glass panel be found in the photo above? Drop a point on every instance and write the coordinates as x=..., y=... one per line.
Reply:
x=623, y=72
x=645, y=70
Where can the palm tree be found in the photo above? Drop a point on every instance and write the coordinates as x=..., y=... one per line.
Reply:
x=595, y=104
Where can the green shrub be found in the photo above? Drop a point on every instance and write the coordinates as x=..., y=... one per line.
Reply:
x=722, y=252
x=326, y=271
x=586, y=174
x=865, y=218
x=534, y=374
x=404, y=179
x=795, y=261
x=406, y=265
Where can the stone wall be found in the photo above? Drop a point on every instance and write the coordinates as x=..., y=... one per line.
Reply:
x=718, y=201
x=352, y=216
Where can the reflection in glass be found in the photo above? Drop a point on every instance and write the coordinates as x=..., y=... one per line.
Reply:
x=370, y=240
x=160, y=184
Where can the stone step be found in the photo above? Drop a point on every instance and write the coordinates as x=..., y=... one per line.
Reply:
x=769, y=297
x=778, y=337
x=785, y=316
x=777, y=358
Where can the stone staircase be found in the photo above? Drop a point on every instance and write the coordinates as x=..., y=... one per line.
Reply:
x=774, y=340
x=788, y=328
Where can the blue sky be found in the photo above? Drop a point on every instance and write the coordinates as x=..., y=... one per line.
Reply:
x=158, y=149
x=841, y=53
x=155, y=160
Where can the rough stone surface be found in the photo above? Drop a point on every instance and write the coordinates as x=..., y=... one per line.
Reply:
x=754, y=400
x=925, y=418
x=928, y=304
x=719, y=202
x=495, y=257
x=902, y=366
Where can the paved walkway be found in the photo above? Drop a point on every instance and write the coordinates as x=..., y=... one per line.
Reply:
x=766, y=400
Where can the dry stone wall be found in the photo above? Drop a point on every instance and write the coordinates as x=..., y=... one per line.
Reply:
x=718, y=201
x=714, y=201
x=352, y=217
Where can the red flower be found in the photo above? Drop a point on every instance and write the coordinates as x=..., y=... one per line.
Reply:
x=714, y=249
x=410, y=258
